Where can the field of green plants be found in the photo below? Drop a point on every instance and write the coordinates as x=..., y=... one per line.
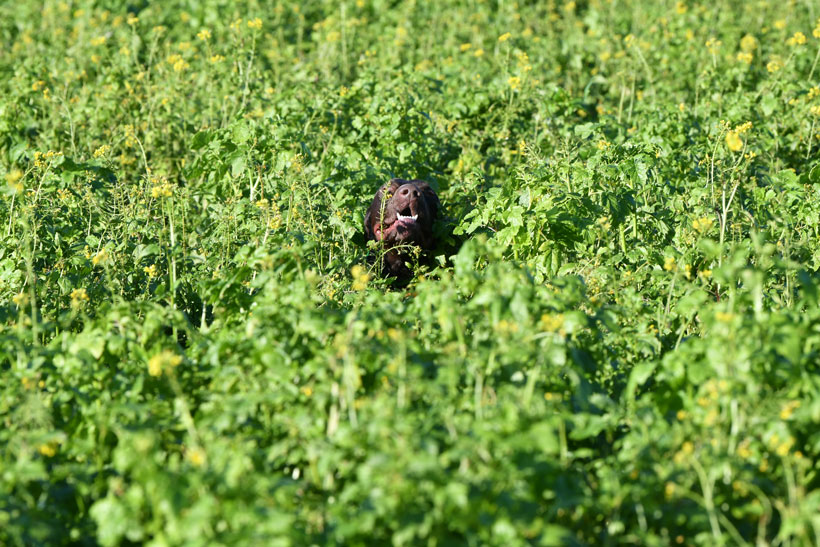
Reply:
x=617, y=340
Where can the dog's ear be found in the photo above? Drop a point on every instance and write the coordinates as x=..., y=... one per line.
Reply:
x=389, y=188
x=375, y=207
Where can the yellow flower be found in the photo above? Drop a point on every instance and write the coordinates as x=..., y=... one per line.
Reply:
x=514, y=82
x=98, y=41
x=780, y=24
x=20, y=299
x=797, y=39
x=669, y=264
x=161, y=188
x=504, y=37
x=164, y=361
x=669, y=489
x=196, y=456
x=724, y=317
x=307, y=391
x=745, y=57
x=788, y=408
x=101, y=151
x=733, y=141
x=465, y=47
x=479, y=52
x=101, y=256
x=506, y=327
x=47, y=449
x=551, y=322
x=685, y=451
x=151, y=270
x=774, y=65
x=742, y=128
x=214, y=59
x=743, y=450
x=78, y=296
x=343, y=91
x=815, y=110
x=681, y=8
x=255, y=23
x=783, y=448
x=13, y=179
x=42, y=160
x=712, y=45
x=132, y=20
x=360, y=277
x=702, y=225
x=204, y=35
x=748, y=43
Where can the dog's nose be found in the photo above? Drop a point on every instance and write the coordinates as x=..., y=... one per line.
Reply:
x=407, y=191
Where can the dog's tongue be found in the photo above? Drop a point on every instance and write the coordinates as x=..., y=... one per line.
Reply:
x=398, y=223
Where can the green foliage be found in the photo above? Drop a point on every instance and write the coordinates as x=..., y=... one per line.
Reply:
x=616, y=342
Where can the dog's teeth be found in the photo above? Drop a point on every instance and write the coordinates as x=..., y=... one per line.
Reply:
x=415, y=217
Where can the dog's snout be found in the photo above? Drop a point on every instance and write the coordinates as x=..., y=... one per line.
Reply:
x=408, y=191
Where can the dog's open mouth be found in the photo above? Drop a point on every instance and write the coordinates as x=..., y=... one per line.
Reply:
x=404, y=219
x=406, y=216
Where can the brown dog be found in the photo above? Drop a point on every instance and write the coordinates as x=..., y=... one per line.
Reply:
x=402, y=214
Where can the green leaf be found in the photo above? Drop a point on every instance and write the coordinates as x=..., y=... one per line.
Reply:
x=111, y=518
x=639, y=375
x=201, y=139
x=238, y=165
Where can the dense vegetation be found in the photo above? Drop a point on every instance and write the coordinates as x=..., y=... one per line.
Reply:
x=617, y=341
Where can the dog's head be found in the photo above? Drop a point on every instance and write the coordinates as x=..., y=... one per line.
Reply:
x=402, y=213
